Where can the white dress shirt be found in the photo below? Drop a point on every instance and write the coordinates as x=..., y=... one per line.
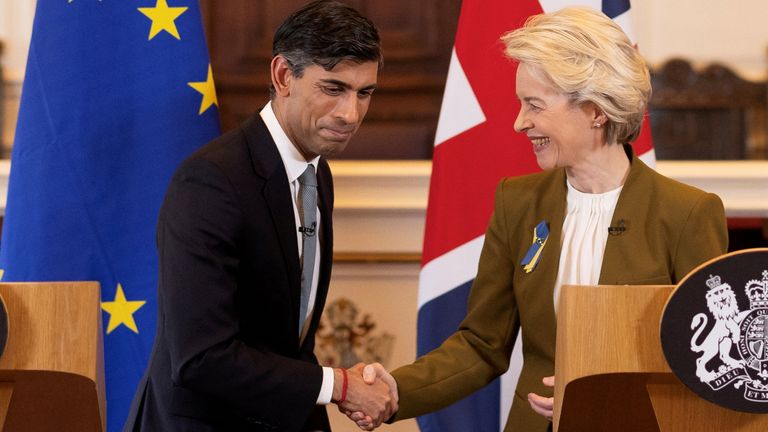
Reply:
x=295, y=164
x=585, y=231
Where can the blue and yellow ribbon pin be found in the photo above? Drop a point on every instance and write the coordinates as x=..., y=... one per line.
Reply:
x=540, y=235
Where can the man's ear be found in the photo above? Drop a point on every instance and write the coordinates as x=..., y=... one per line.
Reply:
x=281, y=75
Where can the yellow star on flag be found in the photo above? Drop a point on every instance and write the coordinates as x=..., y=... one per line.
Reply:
x=163, y=18
x=208, y=90
x=121, y=311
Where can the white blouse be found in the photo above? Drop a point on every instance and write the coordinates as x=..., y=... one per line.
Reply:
x=585, y=231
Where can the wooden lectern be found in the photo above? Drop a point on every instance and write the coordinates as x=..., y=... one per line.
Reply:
x=52, y=370
x=611, y=372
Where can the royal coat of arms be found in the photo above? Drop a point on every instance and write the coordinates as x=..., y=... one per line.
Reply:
x=746, y=331
x=714, y=331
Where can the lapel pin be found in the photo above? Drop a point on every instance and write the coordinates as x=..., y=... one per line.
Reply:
x=540, y=235
x=617, y=229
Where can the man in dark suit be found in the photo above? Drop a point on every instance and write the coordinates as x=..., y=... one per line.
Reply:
x=243, y=272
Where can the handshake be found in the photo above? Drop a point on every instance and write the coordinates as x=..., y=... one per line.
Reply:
x=367, y=394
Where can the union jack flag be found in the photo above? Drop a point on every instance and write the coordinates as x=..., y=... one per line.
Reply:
x=475, y=146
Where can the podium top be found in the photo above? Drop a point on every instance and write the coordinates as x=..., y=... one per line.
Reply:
x=54, y=326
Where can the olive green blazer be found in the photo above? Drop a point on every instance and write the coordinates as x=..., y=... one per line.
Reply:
x=670, y=228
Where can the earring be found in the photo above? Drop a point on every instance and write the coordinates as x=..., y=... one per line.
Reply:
x=597, y=125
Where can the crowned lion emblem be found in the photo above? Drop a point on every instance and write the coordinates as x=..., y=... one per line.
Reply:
x=721, y=302
x=745, y=332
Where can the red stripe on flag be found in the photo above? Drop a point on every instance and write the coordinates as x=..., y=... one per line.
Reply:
x=466, y=171
x=481, y=51
x=467, y=167
x=644, y=143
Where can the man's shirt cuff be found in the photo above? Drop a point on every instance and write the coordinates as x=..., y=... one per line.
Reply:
x=326, y=390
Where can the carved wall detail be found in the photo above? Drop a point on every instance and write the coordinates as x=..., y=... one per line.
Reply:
x=346, y=337
x=707, y=114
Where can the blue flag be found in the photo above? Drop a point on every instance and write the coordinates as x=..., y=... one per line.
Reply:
x=116, y=94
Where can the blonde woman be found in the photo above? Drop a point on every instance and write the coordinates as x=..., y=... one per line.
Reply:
x=601, y=216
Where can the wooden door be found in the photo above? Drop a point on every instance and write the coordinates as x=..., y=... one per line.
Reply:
x=417, y=38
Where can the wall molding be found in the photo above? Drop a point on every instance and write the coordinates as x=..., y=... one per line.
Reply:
x=381, y=205
x=393, y=222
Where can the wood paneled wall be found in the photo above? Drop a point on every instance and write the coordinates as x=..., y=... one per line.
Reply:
x=417, y=38
x=707, y=114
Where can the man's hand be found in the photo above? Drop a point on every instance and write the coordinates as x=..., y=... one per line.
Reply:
x=543, y=405
x=374, y=402
x=372, y=374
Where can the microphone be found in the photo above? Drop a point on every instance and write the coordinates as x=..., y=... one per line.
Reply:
x=308, y=231
x=618, y=229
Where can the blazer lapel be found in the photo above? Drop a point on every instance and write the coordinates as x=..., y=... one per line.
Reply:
x=536, y=288
x=553, y=211
x=325, y=203
x=618, y=246
x=267, y=164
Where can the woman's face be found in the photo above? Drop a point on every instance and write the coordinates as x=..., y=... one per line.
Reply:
x=562, y=134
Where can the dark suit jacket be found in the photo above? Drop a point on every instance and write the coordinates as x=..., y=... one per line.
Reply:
x=670, y=229
x=226, y=354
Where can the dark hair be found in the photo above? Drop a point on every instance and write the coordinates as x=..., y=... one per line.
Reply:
x=326, y=33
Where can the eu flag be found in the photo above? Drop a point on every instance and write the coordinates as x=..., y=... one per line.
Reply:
x=116, y=94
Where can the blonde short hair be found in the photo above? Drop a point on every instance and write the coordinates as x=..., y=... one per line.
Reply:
x=588, y=57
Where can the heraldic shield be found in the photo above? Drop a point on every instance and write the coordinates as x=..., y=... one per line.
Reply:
x=714, y=331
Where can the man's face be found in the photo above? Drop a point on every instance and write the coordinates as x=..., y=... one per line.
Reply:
x=322, y=110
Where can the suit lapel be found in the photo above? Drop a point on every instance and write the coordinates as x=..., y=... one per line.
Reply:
x=325, y=203
x=618, y=247
x=553, y=198
x=267, y=164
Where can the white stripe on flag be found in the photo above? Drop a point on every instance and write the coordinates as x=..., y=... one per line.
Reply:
x=456, y=268
x=649, y=157
x=625, y=22
x=509, y=381
x=460, y=110
x=552, y=5
x=449, y=270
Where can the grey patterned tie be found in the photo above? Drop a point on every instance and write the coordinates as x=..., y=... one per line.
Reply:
x=308, y=214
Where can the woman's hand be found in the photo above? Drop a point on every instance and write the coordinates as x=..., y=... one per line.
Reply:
x=543, y=405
